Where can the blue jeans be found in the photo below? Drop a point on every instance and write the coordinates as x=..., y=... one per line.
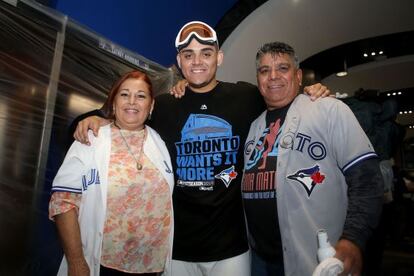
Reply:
x=261, y=267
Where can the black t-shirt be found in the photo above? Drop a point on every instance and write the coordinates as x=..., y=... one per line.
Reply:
x=259, y=190
x=205, y=134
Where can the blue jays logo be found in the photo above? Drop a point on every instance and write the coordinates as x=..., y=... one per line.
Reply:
x=227, y=175
x=91, y=178
x=309, y=178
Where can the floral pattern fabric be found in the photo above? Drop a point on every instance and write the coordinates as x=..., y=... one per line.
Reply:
x=138, y=220
x=62, y=202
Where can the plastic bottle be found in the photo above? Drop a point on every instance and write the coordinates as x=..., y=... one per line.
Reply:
x=328, y=264
x=325, y=249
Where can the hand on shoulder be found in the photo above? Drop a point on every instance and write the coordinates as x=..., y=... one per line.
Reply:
x=94, y=123
x=316, y=91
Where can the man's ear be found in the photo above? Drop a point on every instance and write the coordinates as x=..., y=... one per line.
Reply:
x=178, y=60
x=299, y=76
x=220, y=57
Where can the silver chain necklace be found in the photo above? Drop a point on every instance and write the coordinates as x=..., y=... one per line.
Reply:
x=139, y=165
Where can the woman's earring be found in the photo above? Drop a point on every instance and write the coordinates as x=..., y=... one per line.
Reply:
x=149, y=116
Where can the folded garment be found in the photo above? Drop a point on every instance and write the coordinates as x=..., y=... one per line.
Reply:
x=329, y=267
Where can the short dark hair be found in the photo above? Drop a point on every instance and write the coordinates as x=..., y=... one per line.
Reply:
x=107, y=108
x=274, y=48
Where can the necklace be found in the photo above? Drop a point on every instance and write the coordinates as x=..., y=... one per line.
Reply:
x=139, y=165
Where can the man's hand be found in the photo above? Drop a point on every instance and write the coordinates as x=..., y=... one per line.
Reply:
x=317, y=91
x=350, y=254
x=93, y=123
x=178, y=90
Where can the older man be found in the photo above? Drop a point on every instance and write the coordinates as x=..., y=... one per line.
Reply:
x=308, y=166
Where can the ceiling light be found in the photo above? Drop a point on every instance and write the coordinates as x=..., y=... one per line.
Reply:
x=373, y=54
x=365, y=55
x=381, y=52
x=410, y=111
x=341, y=74
x=401, y=112
x=388, y=94
x=394, y=94
x=399, y=93
x=344, y=72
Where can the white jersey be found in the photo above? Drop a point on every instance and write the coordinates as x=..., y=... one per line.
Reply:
x=85, y=170
x=319, y=142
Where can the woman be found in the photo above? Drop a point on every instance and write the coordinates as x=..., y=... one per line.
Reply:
x=111, y=201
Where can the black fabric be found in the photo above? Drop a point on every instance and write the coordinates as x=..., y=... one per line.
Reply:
x=106, y=271
x=209, y=220
x=365, y=197
x=259, y=191
x=378, y=122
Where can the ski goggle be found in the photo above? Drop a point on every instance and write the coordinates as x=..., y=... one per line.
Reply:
x=198, y=30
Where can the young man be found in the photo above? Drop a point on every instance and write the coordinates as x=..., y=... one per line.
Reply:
x=308, y=166
x=204, y=132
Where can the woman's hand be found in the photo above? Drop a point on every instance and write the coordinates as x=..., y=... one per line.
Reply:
x=178, y=90
x=78, y=267
x=93, y=123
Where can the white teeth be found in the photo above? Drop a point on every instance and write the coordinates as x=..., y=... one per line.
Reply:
x=131, y=110
x=197, y=70
x=275, y=86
